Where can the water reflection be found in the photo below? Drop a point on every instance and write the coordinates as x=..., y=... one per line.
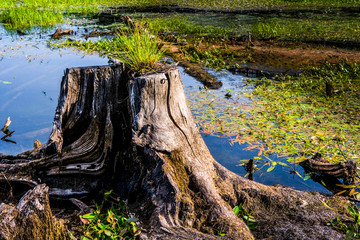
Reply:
x=230, y=155
x=8, y=133
x=30, y=75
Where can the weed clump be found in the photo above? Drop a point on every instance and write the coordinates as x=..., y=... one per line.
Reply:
x=351, y=228
x=26, y=18
x=137, y=47
x=142, y=49
x=111, y=223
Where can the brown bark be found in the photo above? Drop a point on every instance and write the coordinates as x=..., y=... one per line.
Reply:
x=137, y=136
x=31, y=218
x=59, y=32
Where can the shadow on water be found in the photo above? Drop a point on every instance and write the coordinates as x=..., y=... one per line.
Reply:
x=30, y=76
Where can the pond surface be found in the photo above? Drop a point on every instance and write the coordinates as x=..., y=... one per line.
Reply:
x=30, y=76
x=230, y=155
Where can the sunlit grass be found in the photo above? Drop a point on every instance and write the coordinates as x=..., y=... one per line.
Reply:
x=142, y=49
x=84, y=6
x=310, y=29
x=25, y=18
x=139, y=49
x=39, y=13
x=207, y=4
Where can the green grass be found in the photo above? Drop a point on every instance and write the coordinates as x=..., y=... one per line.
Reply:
x=309, y=27
x=140, y=50
x=251, y=4
x=244, y=214
x=182, y=24
x=71, y=5
x=22, y=14
x=26, y=18
x=80, y=5
x=335, y=30
x=108, y=47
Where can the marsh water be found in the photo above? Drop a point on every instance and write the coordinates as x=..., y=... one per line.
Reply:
x=30, y=77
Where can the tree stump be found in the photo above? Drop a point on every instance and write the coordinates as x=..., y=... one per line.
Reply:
x=31, y=218
x=136, y=135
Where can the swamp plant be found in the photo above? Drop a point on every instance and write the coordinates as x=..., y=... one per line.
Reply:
x=26, y=18
x=142, y=49
x=138, y=48
x=289, y=117
x=109, y=223
x=351, y=228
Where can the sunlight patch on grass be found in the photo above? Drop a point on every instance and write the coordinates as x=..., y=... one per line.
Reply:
x=25, y=18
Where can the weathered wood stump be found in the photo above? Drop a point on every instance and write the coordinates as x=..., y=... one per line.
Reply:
x=328, y=174
x=136, y=135
x=31, y=218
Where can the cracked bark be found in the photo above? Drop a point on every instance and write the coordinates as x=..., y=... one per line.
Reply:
x=137, y=136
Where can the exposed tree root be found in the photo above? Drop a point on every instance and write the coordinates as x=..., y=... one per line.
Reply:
x=137, y=136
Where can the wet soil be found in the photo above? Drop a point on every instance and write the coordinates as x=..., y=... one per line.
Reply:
x=266, y=58
x=295, y=55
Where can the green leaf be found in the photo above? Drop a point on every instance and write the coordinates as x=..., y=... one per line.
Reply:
x=5, y=82
x=252, y=225
x=307, y=176
x=283, y=164
x=236, y=210
x=108, y=233
x=89, y=216
x=102, y=226
x=349, y=233
x=108, y=193
x=270, y=168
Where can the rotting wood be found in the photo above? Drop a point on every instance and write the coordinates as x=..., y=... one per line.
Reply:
x=31, y=218
x=59, y=32
x=328, y=174
x=95, y=33
x=136, y=135
x=345, y=170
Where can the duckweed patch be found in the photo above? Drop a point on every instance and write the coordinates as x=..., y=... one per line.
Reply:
x=290, y=117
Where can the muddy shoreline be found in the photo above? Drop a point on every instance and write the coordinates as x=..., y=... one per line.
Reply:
x=260, y=10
